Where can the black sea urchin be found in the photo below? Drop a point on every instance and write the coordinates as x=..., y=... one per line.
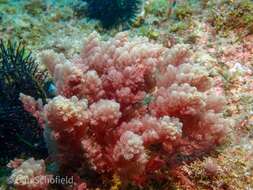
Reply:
x=113, y=12
x=20, y=133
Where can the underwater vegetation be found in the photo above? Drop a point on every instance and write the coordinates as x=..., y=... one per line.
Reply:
x=166, y=17
x=20, y=133
x=35, y=7
x=183, y=11
x=114, y=12
x=230, y=15
x=158, y=8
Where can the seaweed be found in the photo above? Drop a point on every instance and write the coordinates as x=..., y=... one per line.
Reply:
x=232, y=15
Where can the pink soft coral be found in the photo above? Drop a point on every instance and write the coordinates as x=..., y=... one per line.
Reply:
x=30, y=175
x=127, y=106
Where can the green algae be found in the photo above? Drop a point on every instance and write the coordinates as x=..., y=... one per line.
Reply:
x=232, y=15
x=35, y=7
x=179, y=26
x=183, y=11
x=158, y=8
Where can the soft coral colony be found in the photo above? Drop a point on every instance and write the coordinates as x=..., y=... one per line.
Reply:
x=130, y=108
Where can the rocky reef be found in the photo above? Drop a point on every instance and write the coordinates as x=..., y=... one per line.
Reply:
x=160, y=99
